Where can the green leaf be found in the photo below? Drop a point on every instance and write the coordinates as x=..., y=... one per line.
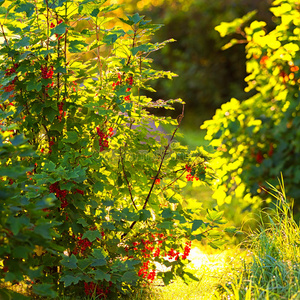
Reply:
x=6, y=294
x=189, y=277
x=44, y=290
x=142, y=48
x=18, y=140
x=72, y=137
x=84, y=263
x=49, y=166
x=99, y=262
x=16, y=223
x=24, y=42
x=110, y=39
x=167, y=276
x=108, y=226
x=145, y=214
x=98, y=253
x=59, y=29
x=214, y=215
x=100, y=275
x=50, y=113
x=167, y=213
x=135, y=18
x=43, y=230
x=33, y=85
x=98, y=187
x=69, y=261
x=197, y=224
x=82, y=221
x=125, y=107
x=77, y=46
x=26, y=7
x=130, y=277
x=47, y=201
x=69, y=279
x=91, y=235
x=21, y=252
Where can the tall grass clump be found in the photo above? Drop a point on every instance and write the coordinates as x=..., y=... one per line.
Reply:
x=274, y=270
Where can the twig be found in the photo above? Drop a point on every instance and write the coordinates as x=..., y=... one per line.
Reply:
x=3, y=33
x=127, y=181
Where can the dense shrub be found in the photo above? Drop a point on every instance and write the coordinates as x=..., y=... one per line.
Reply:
x=89, y=197
x=260, y=137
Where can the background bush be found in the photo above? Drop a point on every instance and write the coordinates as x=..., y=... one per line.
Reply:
x=260, y=137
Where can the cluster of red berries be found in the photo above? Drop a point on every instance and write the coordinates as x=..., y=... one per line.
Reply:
x=151, y=248
x=51, y=143
x=145, y=273
x=187, y=250
x=79, y=191
x=9, y=72
x=9, y=88
x=62, y=113
x=92, y=289
x=60, y=194
x=103, y=140
x=52, y=25
x=81, y=245
x=259, y=157
x=47, y=73
x=129, y=81
x=189, y=176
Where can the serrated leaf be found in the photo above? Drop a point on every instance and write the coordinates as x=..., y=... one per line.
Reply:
x=29, y=8
x=99, y=262
x=98, y=253
x=91, y=235
x=100, y=275
x=82, y=221
x=197, y=224
x=49, y=166
x=77, y=46
x=108, y=226
x=69, y=261
x=44, y=290
x=109, y=39
x=141, y=48
x=84, y=263
x=130, y=277
x=69, y=279
x=33, y=85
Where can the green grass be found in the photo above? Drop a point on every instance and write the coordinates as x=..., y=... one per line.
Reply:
x=274, y=271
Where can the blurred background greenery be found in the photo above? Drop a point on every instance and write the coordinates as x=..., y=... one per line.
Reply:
x=207, y=75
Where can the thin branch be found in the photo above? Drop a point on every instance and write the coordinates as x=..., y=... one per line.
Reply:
x=127, y=181
x=3, y=33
